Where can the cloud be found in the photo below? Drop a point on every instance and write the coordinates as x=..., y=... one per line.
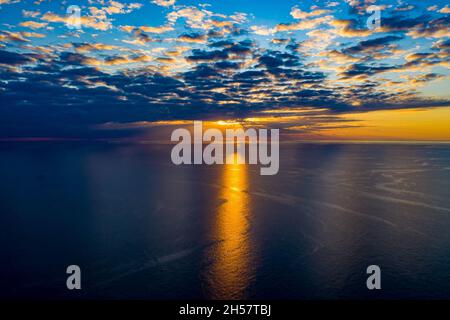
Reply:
x=164, y=3
x=333, y=4
x=263, y=31
x=12, y=36
x=422, y=61
x=437, y=28
x=280, y=41
x=346, y=28
x=442, y=44
x=140, y=38
x=445, y=9
x=98, y=18
x=33, y=24
x=305, y=24
x=297, y=13
x=31, y=13
x=400, y=23
x=118, y=60
x=199, y=64
x=147, y=29
x=85, y=21
x=160, y=29
x=192, y=38
x=114, y=7
x=372, y=44
x=364, y=70
x=202, y=55
x=83, y=97
x=8, y=1
x=405, y=7
x=339, y=57
x=13, y=58
x=194, y=17
x=418, y=27
x=89, y=47
x=7, y=36
x=423, y=79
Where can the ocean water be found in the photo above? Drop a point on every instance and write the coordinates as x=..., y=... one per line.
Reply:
x=142, y=228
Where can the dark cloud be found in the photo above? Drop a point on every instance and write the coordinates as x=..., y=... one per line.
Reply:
x=192, y=37
x=434, y=28
x=241, y=49
x=227, y=65
x=401, y=23
x=418, y=27
x=142, y=37
x=64, y=94
x=372, y=44
x=70, y=58
x=359, y=69
x=13, y=58
x=272, y=60
x=202, y=55
x=442, y=44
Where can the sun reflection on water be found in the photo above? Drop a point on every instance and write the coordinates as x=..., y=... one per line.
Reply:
x=230, y=272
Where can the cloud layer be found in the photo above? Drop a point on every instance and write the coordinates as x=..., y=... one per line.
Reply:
x=202, y=64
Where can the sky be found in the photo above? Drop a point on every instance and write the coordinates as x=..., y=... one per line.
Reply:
x=316, y=70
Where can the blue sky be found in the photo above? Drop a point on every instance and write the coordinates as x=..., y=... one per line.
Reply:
x=149, y=61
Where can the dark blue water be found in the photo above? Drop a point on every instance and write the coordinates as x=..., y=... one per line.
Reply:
x=140, y=227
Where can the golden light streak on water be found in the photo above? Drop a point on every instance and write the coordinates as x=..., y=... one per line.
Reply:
x=231, y=268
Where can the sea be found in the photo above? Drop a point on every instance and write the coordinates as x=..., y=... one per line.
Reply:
x=140, y=227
